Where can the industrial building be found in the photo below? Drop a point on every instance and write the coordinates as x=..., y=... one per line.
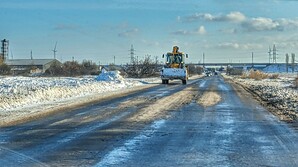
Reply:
x=22, y=65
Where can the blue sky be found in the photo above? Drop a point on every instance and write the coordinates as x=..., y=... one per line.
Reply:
x=98, y=30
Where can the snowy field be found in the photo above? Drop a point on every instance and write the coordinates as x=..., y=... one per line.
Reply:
x=279, y=93
x=21, y=96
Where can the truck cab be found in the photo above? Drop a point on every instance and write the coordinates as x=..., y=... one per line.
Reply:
x=174, y=67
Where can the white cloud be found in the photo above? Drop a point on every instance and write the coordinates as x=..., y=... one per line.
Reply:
x=286, y=43
x=229, y=31
x=289, y=22
x=246, y=23
x=199, y=31
x=150, y=43
x=178, y=18
x=228, y=45
x=235, y=45
x=235, y=17
x=129, y=33
x=232, y=17
x=181, y=32
x=267, y=24
x=262, y=24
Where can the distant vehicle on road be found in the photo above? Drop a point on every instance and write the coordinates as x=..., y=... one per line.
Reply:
x=208, y=73
x=175, y=67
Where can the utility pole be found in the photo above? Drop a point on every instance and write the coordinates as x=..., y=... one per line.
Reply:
x=270, y=54
x=287, y=62
x=203, y=59
x=114, y=60
x=132, y=54
x=293, y=62
x=4, y=49
x=156, y=63
x=31, y=55
x=274, y=54
x=252, y=60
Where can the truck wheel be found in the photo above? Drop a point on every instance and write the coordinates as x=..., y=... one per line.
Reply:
x=184, y=82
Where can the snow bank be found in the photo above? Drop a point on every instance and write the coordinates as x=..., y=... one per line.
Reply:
x=23, y=92
x=277, y=68
x=110, y=76
x=277, y=93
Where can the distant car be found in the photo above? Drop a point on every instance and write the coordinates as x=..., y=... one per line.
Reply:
x=208, y=74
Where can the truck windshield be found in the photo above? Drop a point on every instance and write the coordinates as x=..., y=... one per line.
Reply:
x=174, y=58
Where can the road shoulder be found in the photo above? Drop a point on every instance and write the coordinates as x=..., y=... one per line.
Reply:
x=289, y=117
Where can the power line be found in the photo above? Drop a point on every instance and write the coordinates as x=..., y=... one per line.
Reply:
x=274, y=54
x=269, y=52
x=203, y=59
x=252, y=59
x=132, y=54
x=5, y=49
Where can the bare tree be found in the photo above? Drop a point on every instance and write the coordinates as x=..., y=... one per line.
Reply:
x=142, y=68
x=4, y=69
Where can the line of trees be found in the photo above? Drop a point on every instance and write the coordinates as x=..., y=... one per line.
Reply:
x=4, y=69
x=73, y=68
x=143, y=68
x=146, y=67
x=194, y=70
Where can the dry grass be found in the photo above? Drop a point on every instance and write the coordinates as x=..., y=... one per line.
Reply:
x=209, y=98
x=296, y=82
x=274, y=76
x=258, y=75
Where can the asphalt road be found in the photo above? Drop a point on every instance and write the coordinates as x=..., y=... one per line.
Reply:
x=143, y=129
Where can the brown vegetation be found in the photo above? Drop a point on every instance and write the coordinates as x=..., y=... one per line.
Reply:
x=258, y=75
x=234, y=71
x=274, y=76
x=4, y=69
x=72, y=68
x=142, y=68
x=193, y=69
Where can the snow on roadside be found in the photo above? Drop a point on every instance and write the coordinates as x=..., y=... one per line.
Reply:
x=278, y=68
x=110, y=76
x=278, y=93
x=19, y=92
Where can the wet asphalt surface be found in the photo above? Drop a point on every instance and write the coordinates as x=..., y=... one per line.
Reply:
x=235, y=132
